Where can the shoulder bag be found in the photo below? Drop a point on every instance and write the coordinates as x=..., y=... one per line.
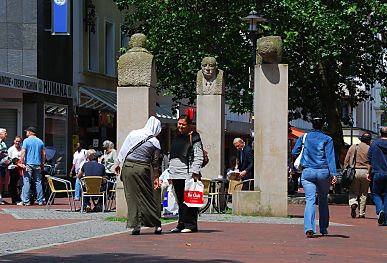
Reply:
x=349, y=172
x=298, y=159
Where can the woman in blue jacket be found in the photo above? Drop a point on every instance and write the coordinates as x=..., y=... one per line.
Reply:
x=318, y=172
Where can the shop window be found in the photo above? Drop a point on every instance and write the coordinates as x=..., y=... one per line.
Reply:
x=55, y=135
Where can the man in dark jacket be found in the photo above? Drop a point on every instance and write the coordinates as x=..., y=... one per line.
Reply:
x=377, y=158
x=245, y=158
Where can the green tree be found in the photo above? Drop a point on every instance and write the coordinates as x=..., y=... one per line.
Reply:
x=330, y=45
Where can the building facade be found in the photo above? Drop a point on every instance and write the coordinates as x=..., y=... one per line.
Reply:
x=59, y=83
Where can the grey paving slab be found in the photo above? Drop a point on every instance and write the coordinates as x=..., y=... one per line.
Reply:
x=16, y=242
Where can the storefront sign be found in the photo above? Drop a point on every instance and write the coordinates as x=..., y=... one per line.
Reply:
x=30, y=84
x=60, y=17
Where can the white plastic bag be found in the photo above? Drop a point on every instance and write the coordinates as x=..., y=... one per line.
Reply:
x=193, y=193
x=296, y=163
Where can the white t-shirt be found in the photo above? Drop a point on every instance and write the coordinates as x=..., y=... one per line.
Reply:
x=13, y=152
x=78, y=158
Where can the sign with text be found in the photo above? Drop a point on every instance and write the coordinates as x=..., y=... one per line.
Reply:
x=30, y=84
x=60, y=17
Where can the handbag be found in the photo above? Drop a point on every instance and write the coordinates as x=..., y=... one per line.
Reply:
x=193, y=193
x=349, y=172
x=296, y=163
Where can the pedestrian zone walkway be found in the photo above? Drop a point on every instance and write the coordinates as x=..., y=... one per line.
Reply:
x=32, y=234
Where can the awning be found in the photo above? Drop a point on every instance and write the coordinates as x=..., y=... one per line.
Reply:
x=106, y=100
x=296, y=133
x=97, y=99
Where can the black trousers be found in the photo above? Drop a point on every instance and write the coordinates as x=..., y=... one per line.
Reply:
x=15, y=181
x=188, y=216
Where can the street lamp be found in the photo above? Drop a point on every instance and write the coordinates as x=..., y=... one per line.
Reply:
x=253, y=19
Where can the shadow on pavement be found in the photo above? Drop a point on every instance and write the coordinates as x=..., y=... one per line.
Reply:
x=110, y=257
x=340, y=236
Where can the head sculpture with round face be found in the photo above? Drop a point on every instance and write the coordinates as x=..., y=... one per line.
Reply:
x=209, y=67
x=138, y=40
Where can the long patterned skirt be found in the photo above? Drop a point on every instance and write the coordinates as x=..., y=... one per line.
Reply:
x=138, y=187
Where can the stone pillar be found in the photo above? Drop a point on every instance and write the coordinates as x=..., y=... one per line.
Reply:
x=210, y=115
x=136, y=97
x=270, y=197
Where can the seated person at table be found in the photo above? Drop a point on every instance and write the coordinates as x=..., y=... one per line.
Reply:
x=92, y=168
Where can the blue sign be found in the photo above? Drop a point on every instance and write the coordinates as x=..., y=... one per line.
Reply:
x=60, y=17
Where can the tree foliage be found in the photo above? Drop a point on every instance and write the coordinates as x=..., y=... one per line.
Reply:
x=332, y=48
x=181, y=33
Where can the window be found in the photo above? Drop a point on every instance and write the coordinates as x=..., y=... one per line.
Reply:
x=93, y=49
x=55, y=136
x=109, y=49
x=124, y=41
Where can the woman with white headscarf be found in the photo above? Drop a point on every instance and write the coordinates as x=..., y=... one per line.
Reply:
x=139, y=153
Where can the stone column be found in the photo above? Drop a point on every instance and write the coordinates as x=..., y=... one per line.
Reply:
x=136, y=98
x=210, y=115
x=270, y=142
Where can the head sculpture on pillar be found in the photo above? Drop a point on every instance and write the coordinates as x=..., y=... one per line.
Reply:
x=138, y=40
x=209, y=79
x=137, y=67
x=269, y=50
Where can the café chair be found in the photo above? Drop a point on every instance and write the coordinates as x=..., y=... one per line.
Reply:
x=69, y=191
x=211, y=193
x=92, y=188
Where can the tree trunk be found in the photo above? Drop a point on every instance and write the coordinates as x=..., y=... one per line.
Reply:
x=330, y=106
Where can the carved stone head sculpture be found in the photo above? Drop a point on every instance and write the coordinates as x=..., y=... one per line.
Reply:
x=138, y=40
x=269, y=50
x=137, y=67
x=209, y=80
x=209, y=68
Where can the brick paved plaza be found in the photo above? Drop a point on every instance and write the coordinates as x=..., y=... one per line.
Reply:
x=34, y=235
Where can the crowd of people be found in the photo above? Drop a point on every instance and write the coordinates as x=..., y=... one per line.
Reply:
x=25, y=162
x=139, y=164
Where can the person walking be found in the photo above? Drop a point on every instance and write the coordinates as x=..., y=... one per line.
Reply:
x=358, y=190
x=79, y=157
x=186, y=157
x=245, y=157
x=139, y=152
x=319, y=171
x=4, y=161
x=32, y=160
x=14, y=153
x=377, y=171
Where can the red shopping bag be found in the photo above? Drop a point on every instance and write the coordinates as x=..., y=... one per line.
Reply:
x=193, y=193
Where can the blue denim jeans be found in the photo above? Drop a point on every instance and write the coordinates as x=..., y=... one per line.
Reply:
x=33, y=173
x=78, y=190
x=316, y=180
x=379, y=188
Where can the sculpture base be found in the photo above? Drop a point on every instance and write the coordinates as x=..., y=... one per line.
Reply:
x=259, y=203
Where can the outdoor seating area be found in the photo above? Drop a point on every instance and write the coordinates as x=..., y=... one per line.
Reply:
x=93, y=187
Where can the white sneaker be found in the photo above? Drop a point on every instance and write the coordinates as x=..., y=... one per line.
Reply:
x=20, y=203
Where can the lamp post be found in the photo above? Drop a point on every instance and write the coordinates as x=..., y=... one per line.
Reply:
x=253, y=19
